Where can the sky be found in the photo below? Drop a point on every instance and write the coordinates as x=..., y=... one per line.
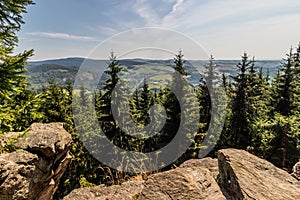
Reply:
x=226, y=29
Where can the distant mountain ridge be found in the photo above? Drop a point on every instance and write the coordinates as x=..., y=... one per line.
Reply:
x=63, y=69
x=66, y=62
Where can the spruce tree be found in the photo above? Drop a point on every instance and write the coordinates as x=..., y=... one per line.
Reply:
x=145, y=103
x=284, y=143
x=205, y=90
x=283, y=95
x=11, y=20
x=241, y=137
x=12, y=70
x=135, y=106
x=105, y=116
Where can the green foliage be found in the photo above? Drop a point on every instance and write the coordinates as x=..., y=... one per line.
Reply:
x=18, y=107
x=42, y=74
x=240, y=107
x=262, y=114
x=104, y=112
x=178, y=60
x=11, y=20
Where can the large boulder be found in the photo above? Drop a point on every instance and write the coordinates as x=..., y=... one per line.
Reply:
x=33, y=171
x=181, y=183
x=236, y=175
x=245, y=176
x=209, y=163
x=127, y=190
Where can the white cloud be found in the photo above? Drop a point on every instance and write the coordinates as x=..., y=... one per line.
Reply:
x=145, y=11
x=226, y=28
x=177, y=5
x=63, y=36
x=150, y=13
x=202, y=13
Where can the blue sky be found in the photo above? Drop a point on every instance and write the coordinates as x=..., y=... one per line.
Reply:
x=265, y=29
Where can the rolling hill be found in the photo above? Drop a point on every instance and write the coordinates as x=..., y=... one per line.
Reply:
x=62, y=70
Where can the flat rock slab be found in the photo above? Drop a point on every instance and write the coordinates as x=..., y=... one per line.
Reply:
x=181, y=183
x=245, y=176
x=126, y=191
x=209, y=163
x=192, y=183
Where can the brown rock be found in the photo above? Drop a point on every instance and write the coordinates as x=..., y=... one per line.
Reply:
x=245, y=176
x=208, y=163
x=47, y=139
x=126, y=191
x=296, y=171
x=181, y=183
x=241, y=176
x=34, y=172
x=15, y=170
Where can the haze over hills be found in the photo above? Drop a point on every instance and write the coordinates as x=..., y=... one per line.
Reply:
x=65, y=69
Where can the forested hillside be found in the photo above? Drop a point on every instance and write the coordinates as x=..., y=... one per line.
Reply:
x=64, y=70
x=262, y=110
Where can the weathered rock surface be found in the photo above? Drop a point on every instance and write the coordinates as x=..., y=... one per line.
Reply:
x=241, y=176
x=245, y=176
x=296, y=171
x=208, y=163
x=34, y=170
x=181, y=183
x=127, y=190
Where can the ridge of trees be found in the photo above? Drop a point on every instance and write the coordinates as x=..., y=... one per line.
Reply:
x=262, y=113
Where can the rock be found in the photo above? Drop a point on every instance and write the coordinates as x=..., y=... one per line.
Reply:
x=33, y=172
x=8, y=140
x=241, y=176
x=245, y=176
x=127, y=190
x=296, y=171
x=181, y=183
x=208, y=163
x=47, y=139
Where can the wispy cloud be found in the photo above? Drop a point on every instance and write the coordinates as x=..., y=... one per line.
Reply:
x=199, y=15
x=63, y=36
x=152, y=14
x=145, y=11
x=177, y=5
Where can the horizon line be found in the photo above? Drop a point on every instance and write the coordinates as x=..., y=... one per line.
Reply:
x=163, y=59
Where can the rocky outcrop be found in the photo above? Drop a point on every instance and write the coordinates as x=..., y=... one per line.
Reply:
x=236, y=175
x=190, y=182
x=296, y=171
x=127, y=190
x=245, y=176
x=33, y=171
x=181, y=183
x=208, y=163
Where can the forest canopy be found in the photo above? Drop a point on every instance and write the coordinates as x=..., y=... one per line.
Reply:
x=262, y=113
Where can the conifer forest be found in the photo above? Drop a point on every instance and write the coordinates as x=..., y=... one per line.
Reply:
x=262, y=111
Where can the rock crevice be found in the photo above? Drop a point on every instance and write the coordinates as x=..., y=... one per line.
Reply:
x=33, y=171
